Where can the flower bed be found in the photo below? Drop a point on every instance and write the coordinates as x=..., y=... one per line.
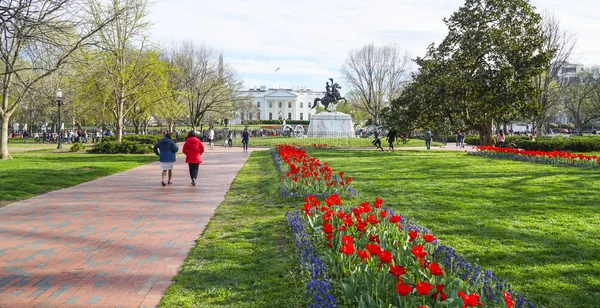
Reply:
x=303, y=175
x=378, y=258
x=554, y=157
x=319, y=285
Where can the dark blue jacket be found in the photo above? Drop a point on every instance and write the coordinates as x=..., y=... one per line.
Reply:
x=168, y=148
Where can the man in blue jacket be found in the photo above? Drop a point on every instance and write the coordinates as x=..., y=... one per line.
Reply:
x=166, y=149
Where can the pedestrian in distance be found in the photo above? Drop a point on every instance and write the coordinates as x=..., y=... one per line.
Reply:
x=377, y=142
x=230, y=137
x=391, y=137
x=428, y=137
x=245, y=139
x=166, y=148
x=500, y=138
x=462, y=139
x=457, y=139
x=193, y=150
x=211, y=138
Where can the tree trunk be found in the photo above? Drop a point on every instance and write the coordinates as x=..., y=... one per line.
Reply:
x=486, y=133
x=579, y=127
x=171, y=126
x=4, y=155
x=540, y=125
x=119, y=130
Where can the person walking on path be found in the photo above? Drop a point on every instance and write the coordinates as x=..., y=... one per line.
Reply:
x=245, y=139
x=166, y=149
x=428, y=137
x=193, y=149
x=211, y=138
x=391, y=137
x=377, y=142
x=461, y=138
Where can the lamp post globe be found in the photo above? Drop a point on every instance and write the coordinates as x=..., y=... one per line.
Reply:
x=59, y=99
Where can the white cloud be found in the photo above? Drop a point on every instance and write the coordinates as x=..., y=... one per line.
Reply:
x=310, y=39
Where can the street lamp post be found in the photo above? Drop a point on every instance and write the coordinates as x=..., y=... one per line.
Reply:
x=59, y=102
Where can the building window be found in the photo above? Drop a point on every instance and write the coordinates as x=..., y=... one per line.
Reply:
x=289, y=116
x=270, y=104
x=301, y=104
x=280, y=104
x=258, y=104
x=289, y=104
x=301, y=116
x=308, y=117
x=270, y=116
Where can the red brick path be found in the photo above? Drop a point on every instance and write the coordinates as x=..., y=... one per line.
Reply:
x=113, y=242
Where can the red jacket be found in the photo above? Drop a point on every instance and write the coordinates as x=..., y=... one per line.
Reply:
x=193, y=149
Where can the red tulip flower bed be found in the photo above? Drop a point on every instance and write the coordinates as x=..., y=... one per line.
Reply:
x=554, y=157
x=303, y=175
x=376, y=258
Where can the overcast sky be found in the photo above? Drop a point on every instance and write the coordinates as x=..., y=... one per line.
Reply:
x=309, y=40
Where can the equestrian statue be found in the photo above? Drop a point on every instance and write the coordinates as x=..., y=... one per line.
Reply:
x=332, y=96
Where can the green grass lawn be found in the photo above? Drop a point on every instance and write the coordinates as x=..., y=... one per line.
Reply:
x=245, y=256
x=36, y=172
x=535, y=225
x=336, y=142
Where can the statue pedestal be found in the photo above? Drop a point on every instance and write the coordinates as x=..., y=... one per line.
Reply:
x=331, y=125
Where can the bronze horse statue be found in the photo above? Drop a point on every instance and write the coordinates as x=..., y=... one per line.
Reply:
x=330, y=98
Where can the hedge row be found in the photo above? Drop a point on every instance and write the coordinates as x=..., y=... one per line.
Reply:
x=509, y=141
x=143, y=139
x=573, y=144
x=125, y=147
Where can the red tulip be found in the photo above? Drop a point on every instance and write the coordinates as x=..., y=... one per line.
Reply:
x=423, y=287
x=385, y=256
x=403, y=289
x=435, y=269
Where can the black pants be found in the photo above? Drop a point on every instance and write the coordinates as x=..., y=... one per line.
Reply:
x=194, y=170
x=245, y=143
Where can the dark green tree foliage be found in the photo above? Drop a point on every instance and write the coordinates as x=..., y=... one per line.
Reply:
x=482, y=71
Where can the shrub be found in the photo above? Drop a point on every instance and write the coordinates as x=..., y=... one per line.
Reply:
x=472, y=139
x=143, y=139
x=125, y=147
x=579, y=144
x=77, y=147
x=509, y=141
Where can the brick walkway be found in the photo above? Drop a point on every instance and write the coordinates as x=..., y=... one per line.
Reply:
x=113, y=242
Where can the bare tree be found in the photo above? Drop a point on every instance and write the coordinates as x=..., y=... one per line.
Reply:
x=582, y=97
x=562, y=43
x=376, y=75
x=37, y=37
x=174, y=107
x=127, y=72
x=209, y=84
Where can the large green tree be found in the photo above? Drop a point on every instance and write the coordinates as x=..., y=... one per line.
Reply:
x=482, y=71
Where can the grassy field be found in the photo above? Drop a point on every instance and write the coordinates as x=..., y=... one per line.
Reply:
x=335, y=142
x=538, y=226
x=245, y=256
x=36, y=172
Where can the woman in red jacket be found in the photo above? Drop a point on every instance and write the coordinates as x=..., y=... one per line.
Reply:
x=193, y=149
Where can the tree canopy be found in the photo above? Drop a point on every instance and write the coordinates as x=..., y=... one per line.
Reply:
x=482, y=71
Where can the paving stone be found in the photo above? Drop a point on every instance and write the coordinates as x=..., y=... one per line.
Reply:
x=123, y=236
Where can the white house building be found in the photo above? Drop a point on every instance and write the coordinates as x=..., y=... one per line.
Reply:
x=280, y=104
